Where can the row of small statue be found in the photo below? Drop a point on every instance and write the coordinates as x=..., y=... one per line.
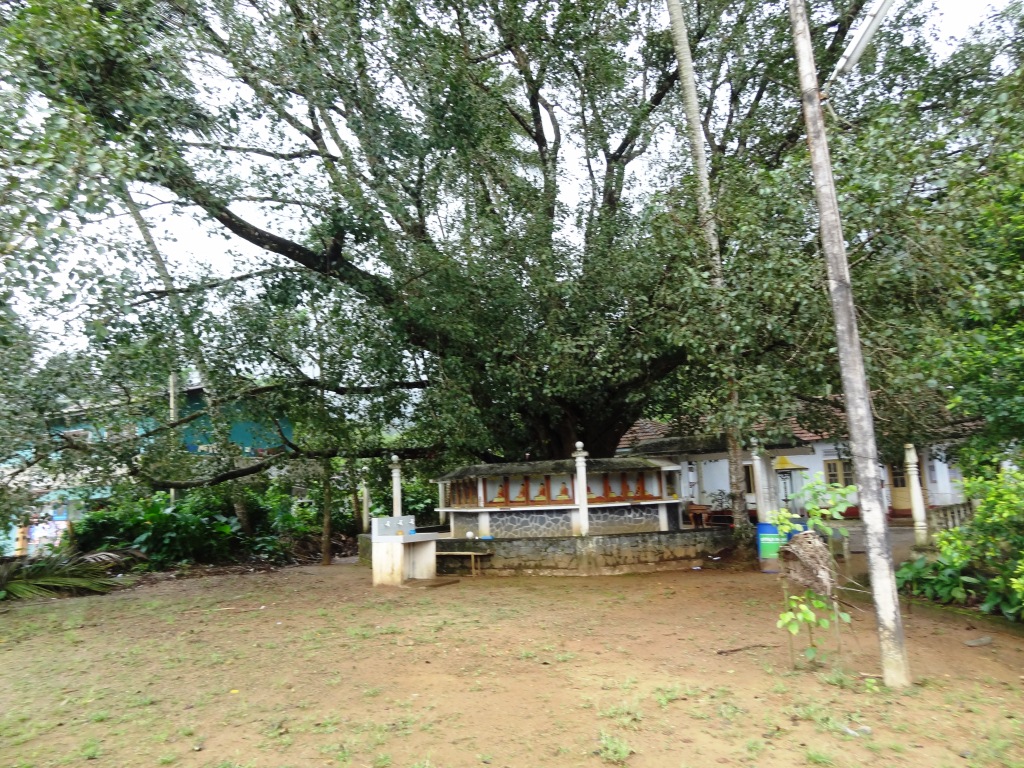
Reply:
x=563, y=494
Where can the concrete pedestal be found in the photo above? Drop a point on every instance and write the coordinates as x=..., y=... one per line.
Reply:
x=400, y=558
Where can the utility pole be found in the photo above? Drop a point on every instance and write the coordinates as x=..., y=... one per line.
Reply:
x=895, y=667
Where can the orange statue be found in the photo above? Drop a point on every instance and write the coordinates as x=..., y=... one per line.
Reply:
x=563, y=493
x=521, y=496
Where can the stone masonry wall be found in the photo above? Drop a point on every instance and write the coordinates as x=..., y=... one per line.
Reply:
x=591, y=555
x=582, y=555
x=638, y=519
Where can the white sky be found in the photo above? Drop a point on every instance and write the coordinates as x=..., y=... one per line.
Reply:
x=957, y=16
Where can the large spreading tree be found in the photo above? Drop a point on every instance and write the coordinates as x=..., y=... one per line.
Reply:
x=493, y=200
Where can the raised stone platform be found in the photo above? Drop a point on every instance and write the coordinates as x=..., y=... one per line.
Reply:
x=586, y=555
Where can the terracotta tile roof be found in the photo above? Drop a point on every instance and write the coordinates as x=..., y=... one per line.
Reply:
x=804, y=435
x=644, y=429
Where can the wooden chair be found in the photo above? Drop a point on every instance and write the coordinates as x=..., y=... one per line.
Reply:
x=700, y=515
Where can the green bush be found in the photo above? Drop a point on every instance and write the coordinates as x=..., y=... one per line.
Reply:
x=167, y=534
x=203, y=526
x=982, y=562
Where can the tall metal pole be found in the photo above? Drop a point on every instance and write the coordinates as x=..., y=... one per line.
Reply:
x=895, y=667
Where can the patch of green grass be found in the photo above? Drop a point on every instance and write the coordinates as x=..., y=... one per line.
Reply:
x=167, y=759
x=100, y=716
x=815, y=757
x=341, y=753
x=755, y=746
x=729, y=711
x=993, y=749
x=90, y=750
x=565, y=656
x=327, y=725
x=371, y=692
x=840, y=679
x=382, y=761
x=626, y=714
x=613, y=749
x=815, y=713
x=525, y=654
x=665, y=695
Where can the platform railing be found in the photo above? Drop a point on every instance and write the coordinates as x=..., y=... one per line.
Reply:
x=949, y=516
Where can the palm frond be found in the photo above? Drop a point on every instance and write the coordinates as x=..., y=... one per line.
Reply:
x=59, y=571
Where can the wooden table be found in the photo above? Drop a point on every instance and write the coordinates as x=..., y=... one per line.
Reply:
x=474, y=559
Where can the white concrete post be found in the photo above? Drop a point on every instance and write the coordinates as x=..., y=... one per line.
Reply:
x=442, y=495
x=916, y=496
x=762, y=495
x=396, y=487
x=365, y=486
x=582, y=502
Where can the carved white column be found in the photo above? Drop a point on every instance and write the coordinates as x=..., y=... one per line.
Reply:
x=582, y=502
x=916, y=496
x=396, y=487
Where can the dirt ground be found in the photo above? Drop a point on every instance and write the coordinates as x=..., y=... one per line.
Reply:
x=312, y=666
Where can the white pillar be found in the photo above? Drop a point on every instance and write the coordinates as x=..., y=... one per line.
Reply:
x=396, y=487
x=442, y=497
x=582, y=502
x=916, y=497
x=762, y=492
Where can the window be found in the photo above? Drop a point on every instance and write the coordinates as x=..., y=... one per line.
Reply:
x=899, y=477
x=748, y=478
x=840, y=472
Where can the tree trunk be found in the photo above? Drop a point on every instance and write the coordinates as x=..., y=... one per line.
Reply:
x=695, y=129
x=895, y=667
x=325, y=536
x=241, y=511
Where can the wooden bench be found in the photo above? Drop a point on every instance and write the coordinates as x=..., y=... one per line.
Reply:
x=474, y=560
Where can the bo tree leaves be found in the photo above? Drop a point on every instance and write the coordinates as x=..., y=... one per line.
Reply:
x=500, y=185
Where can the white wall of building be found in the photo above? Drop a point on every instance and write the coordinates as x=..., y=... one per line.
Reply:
x=940, y=480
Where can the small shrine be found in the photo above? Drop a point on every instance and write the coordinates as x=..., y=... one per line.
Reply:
x=572, y=497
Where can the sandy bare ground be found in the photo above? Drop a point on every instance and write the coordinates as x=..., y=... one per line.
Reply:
x=314, y=667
